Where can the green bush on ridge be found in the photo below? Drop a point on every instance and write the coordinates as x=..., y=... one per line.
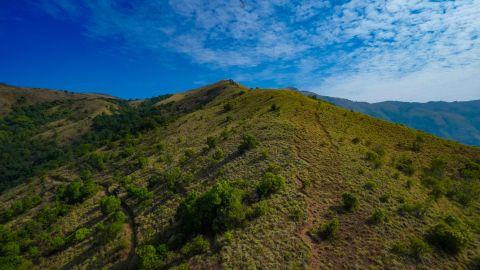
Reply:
x=270, y=184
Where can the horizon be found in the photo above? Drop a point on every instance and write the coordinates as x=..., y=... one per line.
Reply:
x=356, y=50
x=251, y=88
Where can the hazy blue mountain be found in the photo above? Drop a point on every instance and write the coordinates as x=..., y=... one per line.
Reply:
x=459, y=121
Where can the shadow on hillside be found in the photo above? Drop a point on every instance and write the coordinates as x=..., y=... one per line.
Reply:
x=80, y=258
x=209, y=170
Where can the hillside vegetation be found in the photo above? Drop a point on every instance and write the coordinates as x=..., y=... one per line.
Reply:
x=225, y=177
x=458, y=121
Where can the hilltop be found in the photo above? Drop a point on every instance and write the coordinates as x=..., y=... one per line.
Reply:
x=225, y=177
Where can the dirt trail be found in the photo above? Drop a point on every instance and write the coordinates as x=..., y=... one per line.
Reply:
x=310, y=170
x=131, y=262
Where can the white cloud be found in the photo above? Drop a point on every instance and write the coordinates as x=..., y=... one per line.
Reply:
x=336, y=47
x=429, y=84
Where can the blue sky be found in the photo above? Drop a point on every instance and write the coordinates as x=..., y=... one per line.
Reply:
x=409, y=50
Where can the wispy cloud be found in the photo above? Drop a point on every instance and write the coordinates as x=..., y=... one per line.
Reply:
x=360, y=49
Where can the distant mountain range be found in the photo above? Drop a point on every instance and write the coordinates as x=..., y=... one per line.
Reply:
x=459, y=121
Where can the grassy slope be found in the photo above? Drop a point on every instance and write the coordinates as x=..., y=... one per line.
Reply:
x=311, y=142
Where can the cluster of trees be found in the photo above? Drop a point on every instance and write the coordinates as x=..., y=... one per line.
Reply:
x=463, y=190
x=21, y=154
x=128, y=120
x=77, y=191
x=173, y=179
x=450, y=235
x=220, y=208
x=139, y=193
x=20, y=246
x=110, y=207
x=19, y=207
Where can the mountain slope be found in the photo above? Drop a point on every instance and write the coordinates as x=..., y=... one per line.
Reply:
x=459, y=121
x=227, y=177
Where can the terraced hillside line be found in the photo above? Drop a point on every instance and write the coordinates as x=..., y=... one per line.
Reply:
x=324, y=129
x=132, y=256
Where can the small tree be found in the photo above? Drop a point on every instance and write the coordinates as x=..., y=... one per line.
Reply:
x=378, y=217
x=248, y=143
x=270, y=184
x=227, y=107
x=405, y=165
x=211, y=142
x=450, y=235
x=81, y=234
x=274, y=107
x=148, y=258
x=350, y=202
x=198, y=245
x=329, y=229
x=218, y=154
x=109, y=204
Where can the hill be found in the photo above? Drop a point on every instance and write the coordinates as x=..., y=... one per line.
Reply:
x=224, y=177
x=458, y=121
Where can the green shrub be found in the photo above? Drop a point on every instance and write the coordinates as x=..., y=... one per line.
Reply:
x=270, y=184
x=464, y=193
x=162, y=251
x=56, y=243
x=374, y=158
x=218, y=154
x=471, y=170
x=416, y=248
x=274, y=107
x=436, y=168
x=211, y=142
x=109, y=231
x=384, y=198
x=297, y=214
x=77, y=191
x=451, y=235
x=19, y=207
x=97, y=161
x=175, y=179
x=109, y=204
x=370, y=185
x=198, y=245
x=220, y=208
x=228, y=237
x=141, y=162
x=227, y=107
x=248, y=143
x=147, y=257
x=10, y=249
x=355, y=140
x=258, y=210
x=329, y=229
x=417, y=209
x=274, y=168
x=409, y=184
x=119, y=217
x=405, y=165
x=140, y=193
x=81, y=234
x=377, y=217
x=350, y=202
